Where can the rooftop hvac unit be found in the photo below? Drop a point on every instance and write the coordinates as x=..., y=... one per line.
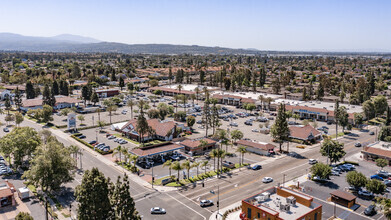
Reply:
x=266, y=195
x=260, y=199
x=291, y=200
x=285, y=207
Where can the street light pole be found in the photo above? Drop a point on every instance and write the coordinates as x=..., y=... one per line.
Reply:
x=283, y=179
x=153, y=178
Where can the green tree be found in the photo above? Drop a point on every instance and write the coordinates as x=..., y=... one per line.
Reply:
x=168, y=164
x=380, y=162
x=236, y=135
x=122, y=203
x=190, y=120
x=111, y=109
x=23, y=216
x=131, y=104
x=18, y=99
x=51, y=166
x=118, y=150
x=380, y=104
x=358, y=119
x=186, y=165
x=18, y=118
x=81, y=119
x=205, y=164
x=93, y=196
x=242, y=150
x=30, y=92
x=333, y=150
x=46, y=96
x=343, y=117
x=47, y=114
x=375, y=186
x=180, y=116
x=356, y=179
x=368, y=109
x=7, y=104
x=19, y=143
x=94, y=98
x=280, y=130
x=321, y=170
x=177, y=167
x=121, y=83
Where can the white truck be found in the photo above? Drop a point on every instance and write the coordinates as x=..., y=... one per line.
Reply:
x=24, y=193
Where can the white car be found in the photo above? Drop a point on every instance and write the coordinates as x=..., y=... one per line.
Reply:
x=158, y=210
x=267, y=180
x=204, y=203
x=111, y=137
x=365, y=193
x=312, y=161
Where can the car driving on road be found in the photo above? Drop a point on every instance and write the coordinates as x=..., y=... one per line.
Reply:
x=267, y=180
x=158, y=210
x=205, y=202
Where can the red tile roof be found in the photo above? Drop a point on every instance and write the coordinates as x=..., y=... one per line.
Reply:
x=303, y=132
x=161, y=128
x=196, y=143
x=377, y=151
x=256, y=145
x=5, y=193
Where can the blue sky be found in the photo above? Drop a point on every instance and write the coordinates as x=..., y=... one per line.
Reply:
x=266, y=25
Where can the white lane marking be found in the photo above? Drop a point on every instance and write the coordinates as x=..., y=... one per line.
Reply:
x=187, y=206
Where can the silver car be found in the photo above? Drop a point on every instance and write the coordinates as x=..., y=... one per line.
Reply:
x=158, y=210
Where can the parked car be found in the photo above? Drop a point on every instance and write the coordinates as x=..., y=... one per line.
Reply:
x=205, y=203
x=370, y=210
x=358, y=144
x=111, y=137
x=82, y=136
x=387, y=182
x=256, y=167
x=377, y=177
x=371, y=133
x=255, y=130
x=6, y=129
x=234, y=124
x=267, y=180
x=92, y=142
x=365, y=193
x=158, y=210
x=334, y=173
x=383, y=174
x=312, y=161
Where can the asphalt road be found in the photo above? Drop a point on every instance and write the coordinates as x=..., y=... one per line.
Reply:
x=248, y=182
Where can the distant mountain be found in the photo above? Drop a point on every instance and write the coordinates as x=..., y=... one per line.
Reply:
x=74, y=43
x=75, y=38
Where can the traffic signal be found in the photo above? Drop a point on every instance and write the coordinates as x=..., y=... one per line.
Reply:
x=203, y=185
x=153, y=179
x=218, y=203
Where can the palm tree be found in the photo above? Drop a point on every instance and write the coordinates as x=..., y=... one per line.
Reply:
x=176, y=97
x=180, y=88
x=177, y=166
x=269, y=101
x=220, y=155
x=196, y=165
x=131, y=104
x=126, y=154
x=197, y=91
x=262, y=99
x=184, y=101
x=192, y=97
x=186, y=165
x=296, y=116
x=213, y=154
x=118, y=150
x=205, y=164
x=242, y=150
x=74, y=150
x=101, y=124
x=168, y=164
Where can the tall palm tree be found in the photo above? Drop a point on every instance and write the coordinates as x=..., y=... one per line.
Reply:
x=242, y=150
x=177, y=167
x=269, y=101
x=192, y=97
x=168, y=164
x=131, y=104
x=196, y=165
x=184, y=101
x=118, y=150
x=205, y=164
x=262, y=99
x=126, y=154
x=222, y=154
x=197, y=91
x=74, y=150
x=213, y=154
x=187, y=165
x=176, y=97
x=180, y=87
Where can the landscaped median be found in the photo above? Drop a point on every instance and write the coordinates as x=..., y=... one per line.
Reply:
x=75, y=136
x=200, y=177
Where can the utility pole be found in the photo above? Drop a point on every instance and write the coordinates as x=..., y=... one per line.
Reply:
x=153, y=178
x=283, y=179
x=46, y=207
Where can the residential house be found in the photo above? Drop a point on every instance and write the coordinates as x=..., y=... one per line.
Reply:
x=304, y=133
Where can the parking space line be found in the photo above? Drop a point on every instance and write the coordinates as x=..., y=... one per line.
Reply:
x=186, y=206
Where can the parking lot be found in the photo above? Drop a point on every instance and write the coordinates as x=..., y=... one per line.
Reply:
x=321, y=192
